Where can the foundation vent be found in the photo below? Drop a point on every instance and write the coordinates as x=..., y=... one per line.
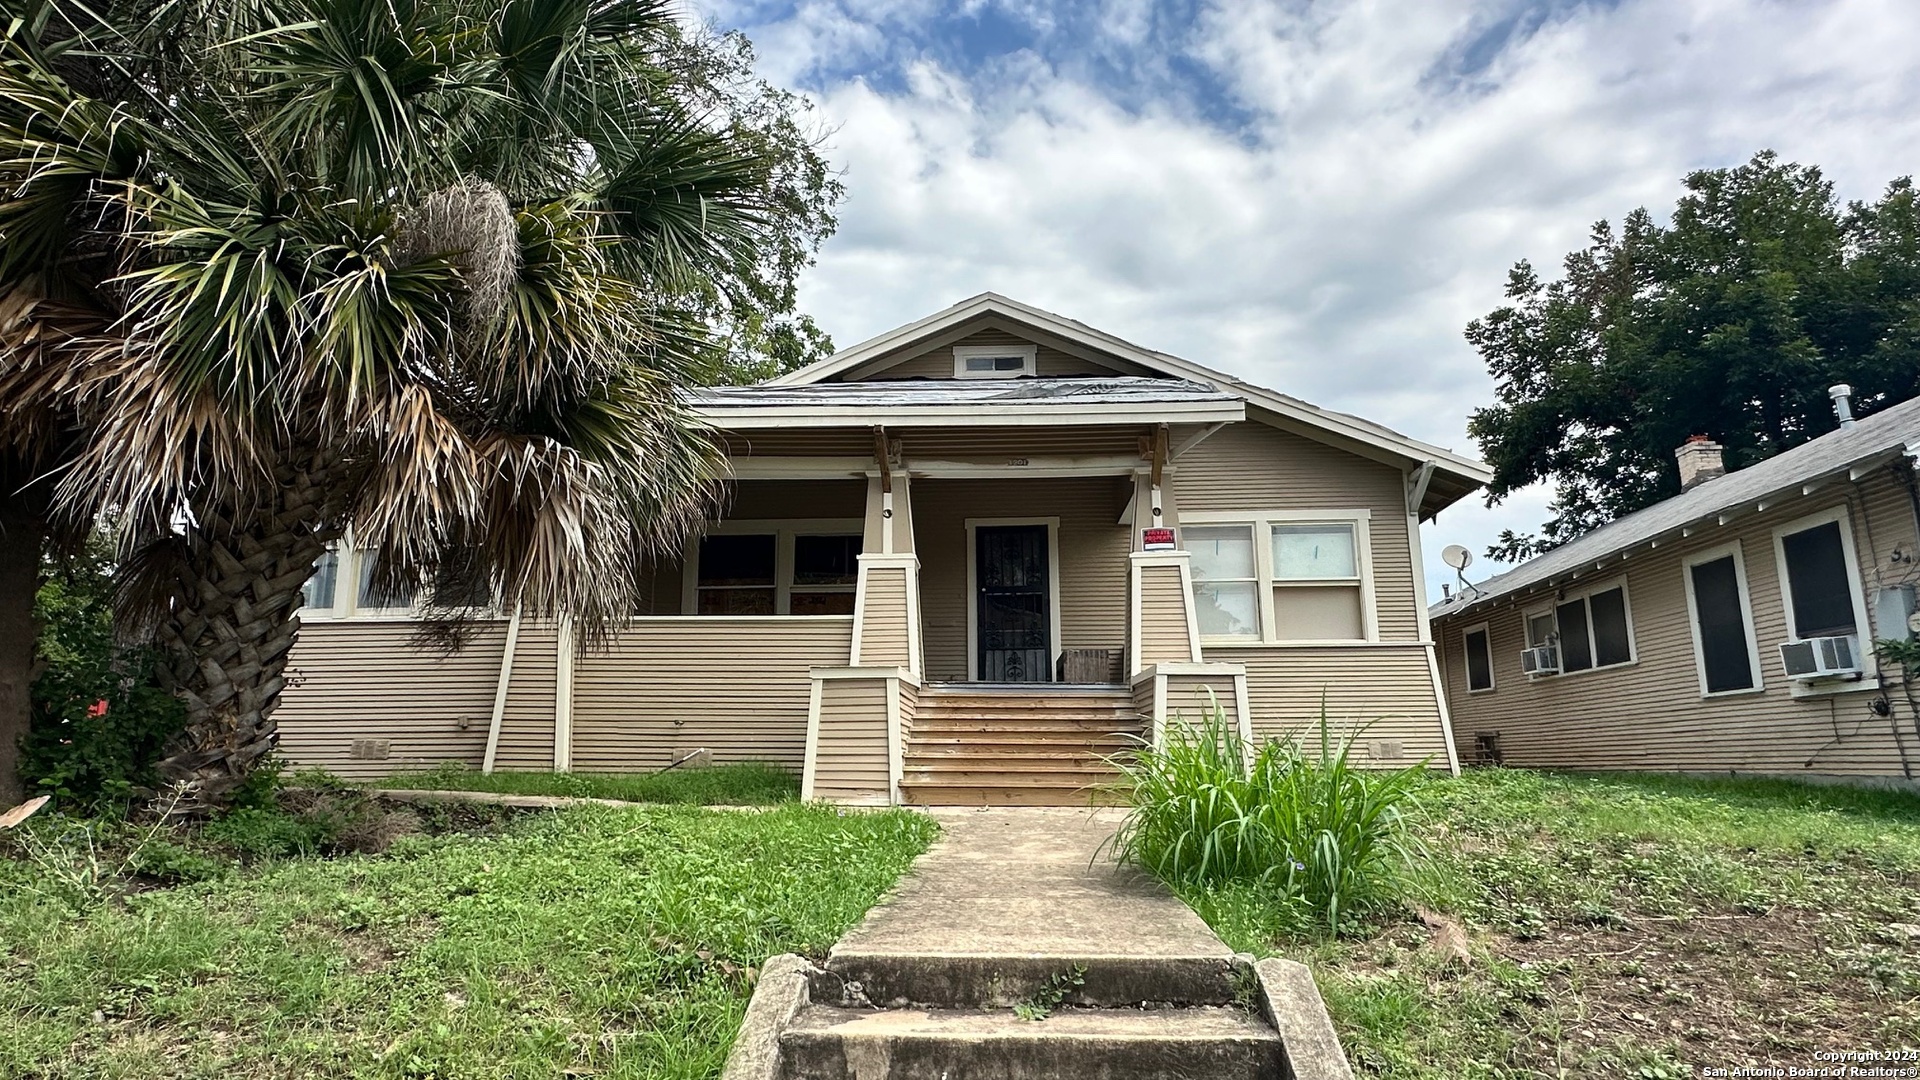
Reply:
x=1386, y=750
x=370, y=749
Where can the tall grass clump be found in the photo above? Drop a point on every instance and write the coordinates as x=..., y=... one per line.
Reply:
x=1207, y=810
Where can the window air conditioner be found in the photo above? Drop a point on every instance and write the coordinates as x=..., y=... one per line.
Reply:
x=1821, y=657
x=1543, y=660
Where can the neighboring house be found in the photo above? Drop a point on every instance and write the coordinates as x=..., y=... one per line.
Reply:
x=961, y=562
x=1730, y=628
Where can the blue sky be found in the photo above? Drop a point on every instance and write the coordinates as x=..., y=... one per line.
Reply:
x=1316, y=196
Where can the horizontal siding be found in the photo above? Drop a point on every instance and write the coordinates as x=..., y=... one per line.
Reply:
x=1093, y=558
x=1251, y=466
x=1188, y=700
x=850, y=755
x=737, y=687
x=1382, y=692
x=1651, y=715
x=883, y=618
x=363, y=680
x=526, y=727
x=937, y=363
x=1163, y=617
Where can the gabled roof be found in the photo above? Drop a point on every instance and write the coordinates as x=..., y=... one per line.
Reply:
x=937, y=402
x=1866, y=444
x=1452, y=476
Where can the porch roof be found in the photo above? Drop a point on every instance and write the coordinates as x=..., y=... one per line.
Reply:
x=966, y=403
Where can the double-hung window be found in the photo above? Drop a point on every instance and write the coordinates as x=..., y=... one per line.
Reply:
x=1820, y=577
x=1477, y=644
x=1591, y=629
x=775, y=568
x=1280, y=576
x=1725, y=649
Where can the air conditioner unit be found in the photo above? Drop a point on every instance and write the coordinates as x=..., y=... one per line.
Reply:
x=1543, y=660
x=1821, y=657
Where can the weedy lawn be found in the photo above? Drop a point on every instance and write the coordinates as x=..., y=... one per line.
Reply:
x=1621, y=926
x=594, y=941
x=738, y=784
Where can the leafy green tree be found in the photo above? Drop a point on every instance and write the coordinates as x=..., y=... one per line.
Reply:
x=431, y=271
x=1730, y=321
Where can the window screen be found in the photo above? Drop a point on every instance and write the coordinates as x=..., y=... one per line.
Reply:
x=1576, y=651
x=1479, y=661
x=1819, y=581
x=1612, y=643
x=1313, y=552
x=1719, y=611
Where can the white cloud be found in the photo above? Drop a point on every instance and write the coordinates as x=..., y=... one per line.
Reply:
x=1330, y=191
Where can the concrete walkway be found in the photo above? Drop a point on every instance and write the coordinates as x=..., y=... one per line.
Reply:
x=1009, y=897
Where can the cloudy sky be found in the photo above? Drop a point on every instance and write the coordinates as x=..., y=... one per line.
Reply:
x=1316, y=196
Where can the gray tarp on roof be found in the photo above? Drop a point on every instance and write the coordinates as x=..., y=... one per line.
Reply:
x=959, y=393
x=1889, y=430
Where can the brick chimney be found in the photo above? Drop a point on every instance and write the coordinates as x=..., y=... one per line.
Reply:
x=1699, y=461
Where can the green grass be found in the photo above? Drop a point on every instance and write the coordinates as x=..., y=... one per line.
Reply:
x=743, y=784
x=592, y=941
x=1623, y=926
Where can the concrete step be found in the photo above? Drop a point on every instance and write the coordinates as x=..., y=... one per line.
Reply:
x=1224, y=1043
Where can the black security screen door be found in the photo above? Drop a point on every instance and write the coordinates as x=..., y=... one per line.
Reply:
x=1010, y=569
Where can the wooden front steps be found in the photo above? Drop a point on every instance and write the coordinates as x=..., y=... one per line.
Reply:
x=1029, y=745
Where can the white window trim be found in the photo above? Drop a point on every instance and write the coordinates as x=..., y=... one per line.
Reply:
x=1029, y=360
x=346, y=592
x=1552, y=605
x=1863, y=629
x=973, y=590
x=1493, y=678
x=783, y=531
x=1262, y=522
x=1715, y=554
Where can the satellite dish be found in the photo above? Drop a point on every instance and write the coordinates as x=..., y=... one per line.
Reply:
x=1456, y=556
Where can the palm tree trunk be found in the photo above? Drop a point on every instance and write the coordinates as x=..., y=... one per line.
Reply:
x=24, y=503
x=232, y=623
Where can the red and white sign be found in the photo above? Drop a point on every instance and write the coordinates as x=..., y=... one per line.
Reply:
x=1156, y=539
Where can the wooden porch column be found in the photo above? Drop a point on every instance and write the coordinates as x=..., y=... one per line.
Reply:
x=886, y=603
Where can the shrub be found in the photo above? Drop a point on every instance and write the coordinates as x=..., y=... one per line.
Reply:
x=1207, y=811
x=263, y=833
x=99, y=722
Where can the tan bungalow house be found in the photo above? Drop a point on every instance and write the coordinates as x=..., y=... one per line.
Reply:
x=1730, y=628
x=962, y=562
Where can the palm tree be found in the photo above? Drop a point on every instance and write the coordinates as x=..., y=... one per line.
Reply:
x=430, y=271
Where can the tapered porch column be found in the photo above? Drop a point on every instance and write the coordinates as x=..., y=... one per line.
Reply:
x=860, y=715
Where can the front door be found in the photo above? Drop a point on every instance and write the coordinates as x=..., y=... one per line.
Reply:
x=1013, y=605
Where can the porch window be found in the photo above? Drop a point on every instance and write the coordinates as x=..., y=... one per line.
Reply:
x=1280, y=576
x=739, y=569
x=825, y=571
x=737, y=575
